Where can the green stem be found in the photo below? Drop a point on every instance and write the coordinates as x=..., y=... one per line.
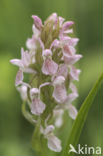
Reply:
x=26, y=114
x=36, y=138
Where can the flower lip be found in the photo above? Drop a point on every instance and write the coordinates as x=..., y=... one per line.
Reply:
x=54, y=143
x=49, y=67
x=37, y=106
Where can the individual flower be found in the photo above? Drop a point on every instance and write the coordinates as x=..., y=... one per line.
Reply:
x=53, y=142
x=59, y=93
x=49, y=66
x=37, y=106
x=23, y=65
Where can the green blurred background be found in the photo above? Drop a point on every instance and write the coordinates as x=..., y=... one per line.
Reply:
x=15, y=28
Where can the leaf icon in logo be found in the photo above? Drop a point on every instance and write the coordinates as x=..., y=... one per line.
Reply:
x=72, y=149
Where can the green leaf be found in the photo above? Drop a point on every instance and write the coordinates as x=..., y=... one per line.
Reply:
x=81, y=117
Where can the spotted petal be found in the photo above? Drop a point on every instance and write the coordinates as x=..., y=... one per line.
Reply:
x=19, y=78
x=60, y=93
x=71, y=59
x=37, y=106
x=67, y=25
x=54, y=143
x=37, y=22
x=72, y=111
x=17, y=62
x=69, y=50
x=62, y=70
x=49, y=67
x=74, y=73
x=49, y=129
x=26, y=58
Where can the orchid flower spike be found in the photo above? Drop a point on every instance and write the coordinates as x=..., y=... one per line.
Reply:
x=46, y=76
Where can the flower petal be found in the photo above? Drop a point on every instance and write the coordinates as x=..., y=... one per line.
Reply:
x=67, y=25
x=69, y=31
x=71, y=59
x=37, y=106
x=26, y=57
x=54, y=143
x=61, y=20
x=72, y=96
x=62, y=70
x=55, y=44
x=59, y=93
x=31, y=43
x=58, y=115
x=74, y=73
x=33, y=92
x=29, y=70
x=17, y=62
x=41, y=43
x=49, y=67
x=73, y=88
x=72, y=112
x=68, y=50
x=58, y=80
x=19, y=78
x=35, y=31
x=47, y=52
x=23, y=92
x=37, y=22
x=74, y=41
x=52, y=17
x=49, y=129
